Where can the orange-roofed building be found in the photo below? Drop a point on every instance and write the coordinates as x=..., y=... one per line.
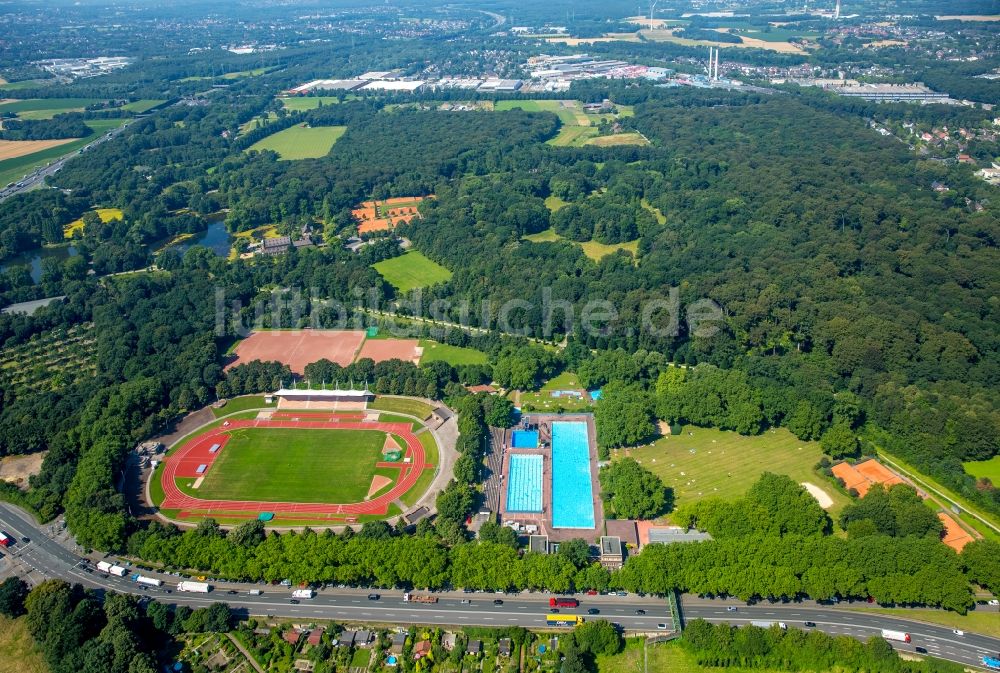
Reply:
x=954, y=536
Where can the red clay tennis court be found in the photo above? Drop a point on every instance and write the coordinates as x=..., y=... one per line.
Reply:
x=298, y=348
x=186, y=461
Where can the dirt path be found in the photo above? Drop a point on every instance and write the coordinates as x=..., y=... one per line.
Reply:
x=245, y=653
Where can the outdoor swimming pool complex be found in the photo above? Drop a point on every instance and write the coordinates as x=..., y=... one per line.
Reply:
x=524, y=439
x=572, y=489
x=524, y=483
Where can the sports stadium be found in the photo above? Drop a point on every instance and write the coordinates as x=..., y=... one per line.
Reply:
x=304, y=457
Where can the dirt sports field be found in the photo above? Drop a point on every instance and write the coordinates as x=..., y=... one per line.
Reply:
x=387, y=349
x=298, y=348
x=12, y=149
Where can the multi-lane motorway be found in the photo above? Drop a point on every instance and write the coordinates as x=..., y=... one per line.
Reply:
x=49, y=555
x=37, y=177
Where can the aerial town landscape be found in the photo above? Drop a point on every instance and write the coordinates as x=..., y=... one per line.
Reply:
x=342, y=336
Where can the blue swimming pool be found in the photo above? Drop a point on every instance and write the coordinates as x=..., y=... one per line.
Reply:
x=524, y=484
x=524, y=439
x=572, y=489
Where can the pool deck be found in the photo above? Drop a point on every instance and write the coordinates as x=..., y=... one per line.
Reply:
x=543, y=519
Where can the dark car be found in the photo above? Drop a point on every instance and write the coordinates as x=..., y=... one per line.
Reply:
x=810, y=624
x=294, y=601
x=640, y=611
x=497, y=601
x=593, y=611
x=373, y=597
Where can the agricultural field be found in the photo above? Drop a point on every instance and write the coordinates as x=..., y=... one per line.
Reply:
x=50, y=361
x=453, y=355
x=143, y=105
x=45, y=108
x=106, y=215
x=709, y=463
x=14, y=149
x=20, y=653
x=12, y=170
x=292, y=465
x=301, y=141
x=667, y=35
x=988, y=469
x=412, y=270
x=7, y=87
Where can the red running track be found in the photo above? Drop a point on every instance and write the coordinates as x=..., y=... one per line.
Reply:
x=195, y=452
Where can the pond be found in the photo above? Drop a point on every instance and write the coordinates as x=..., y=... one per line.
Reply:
x=33, y=259
x=216, y=238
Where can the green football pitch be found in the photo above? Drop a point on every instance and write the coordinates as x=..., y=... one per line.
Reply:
x=291, y=465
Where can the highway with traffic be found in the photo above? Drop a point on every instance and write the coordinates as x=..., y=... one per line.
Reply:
x=50, y=553
x=37, y=177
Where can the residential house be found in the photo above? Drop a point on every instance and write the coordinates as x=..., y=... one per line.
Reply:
x=398, y=643
x=315, y=636
x=422, y=649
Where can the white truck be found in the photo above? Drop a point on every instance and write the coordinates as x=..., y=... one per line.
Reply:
x=899, y=636
x=767, y=625
x=148, y=581
x=303, y=593
x=194, y=587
